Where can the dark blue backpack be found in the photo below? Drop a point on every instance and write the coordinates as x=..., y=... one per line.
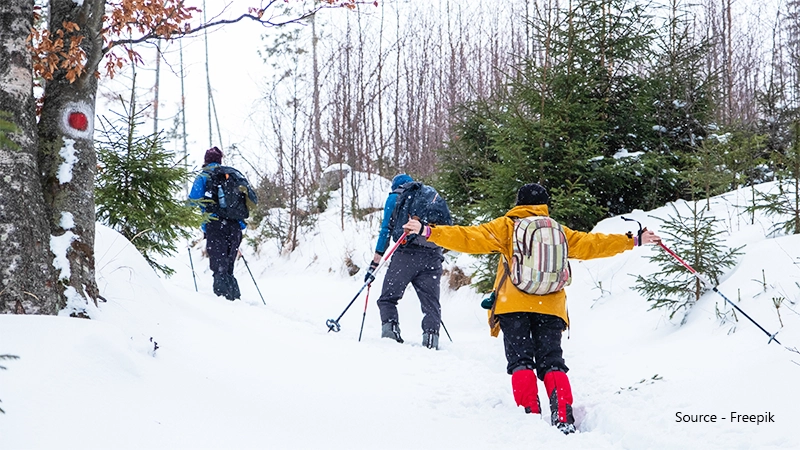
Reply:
x=419, y=201
x=227, y=189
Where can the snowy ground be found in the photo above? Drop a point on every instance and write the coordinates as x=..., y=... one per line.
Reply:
x=247, y=375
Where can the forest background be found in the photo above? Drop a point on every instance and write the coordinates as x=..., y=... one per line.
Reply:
x=613, y=105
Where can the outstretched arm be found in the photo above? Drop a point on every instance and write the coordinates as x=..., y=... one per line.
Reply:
x=599, y=245
x=490, y=237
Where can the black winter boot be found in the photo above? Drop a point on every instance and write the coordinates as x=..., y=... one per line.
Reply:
x=559, y=393
x=391, y=329
x=430, y=339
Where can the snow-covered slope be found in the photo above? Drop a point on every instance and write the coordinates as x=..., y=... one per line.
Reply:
x=247, y=375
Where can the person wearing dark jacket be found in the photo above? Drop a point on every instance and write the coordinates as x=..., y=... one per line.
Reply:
x=418, y=262
x=223, y=236
x=531, y=324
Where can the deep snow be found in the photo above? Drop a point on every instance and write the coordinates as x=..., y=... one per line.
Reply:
x=244, y=375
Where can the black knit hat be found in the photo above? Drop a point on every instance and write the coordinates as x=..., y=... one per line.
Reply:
x=532, y=194
x=213, y=155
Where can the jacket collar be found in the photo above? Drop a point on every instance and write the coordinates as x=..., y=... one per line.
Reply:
x=527, y=211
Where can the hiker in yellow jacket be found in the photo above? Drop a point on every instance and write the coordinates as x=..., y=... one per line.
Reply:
x=532, y=324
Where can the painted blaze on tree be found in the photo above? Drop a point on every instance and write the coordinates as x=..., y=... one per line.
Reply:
x=78, y=121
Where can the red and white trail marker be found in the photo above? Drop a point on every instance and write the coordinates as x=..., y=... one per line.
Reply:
x=77, y=120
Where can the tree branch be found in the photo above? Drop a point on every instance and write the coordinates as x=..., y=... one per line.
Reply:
x=265, y=22
x=93, y=12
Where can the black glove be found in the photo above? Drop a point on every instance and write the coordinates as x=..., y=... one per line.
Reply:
x=370, y=276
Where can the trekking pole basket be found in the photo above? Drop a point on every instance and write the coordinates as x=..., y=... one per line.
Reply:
x=333, y=324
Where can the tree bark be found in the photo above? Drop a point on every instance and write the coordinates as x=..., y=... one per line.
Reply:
x=67, y=157
x=27, y=274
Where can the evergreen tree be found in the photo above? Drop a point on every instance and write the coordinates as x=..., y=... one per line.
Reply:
x=574, y=107
x=695, y=238
x=137, y=187
x=574, y=204
x=465, y=161
x=681, y=88
x=784, y=205
x=704, y=175
x=745, y=158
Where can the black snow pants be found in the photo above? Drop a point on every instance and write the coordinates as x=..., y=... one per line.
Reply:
x=422, y=267
x=533, y=341
x=222, y=243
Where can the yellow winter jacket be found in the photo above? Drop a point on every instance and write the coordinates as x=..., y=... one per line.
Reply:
x=497, y=237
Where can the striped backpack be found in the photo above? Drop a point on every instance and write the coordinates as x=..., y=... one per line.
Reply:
x=539, y=262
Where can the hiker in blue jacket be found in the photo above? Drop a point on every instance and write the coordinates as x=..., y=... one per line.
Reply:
x=223, y=236
x=418, y=262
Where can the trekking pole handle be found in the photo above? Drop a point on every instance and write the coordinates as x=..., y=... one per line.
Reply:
x=641, y=230
x=633, y=220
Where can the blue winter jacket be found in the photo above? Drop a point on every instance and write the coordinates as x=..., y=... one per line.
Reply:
x=198, y=191
x=388, y=209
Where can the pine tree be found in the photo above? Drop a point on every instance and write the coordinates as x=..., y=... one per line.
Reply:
x=575, y=205
x=695, y=238
x=137, y=187
x=574, y=106
x=704, y=176
x=784, y=205
x=465, y=161
x=681, y=90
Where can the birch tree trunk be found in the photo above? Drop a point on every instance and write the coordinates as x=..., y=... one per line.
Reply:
x=27, y=274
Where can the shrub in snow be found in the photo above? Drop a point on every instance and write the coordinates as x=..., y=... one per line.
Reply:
x=693, y=236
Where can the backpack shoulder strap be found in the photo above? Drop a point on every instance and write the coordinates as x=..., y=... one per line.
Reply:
x=494, y=322
x=209, y=173
x=393, y=218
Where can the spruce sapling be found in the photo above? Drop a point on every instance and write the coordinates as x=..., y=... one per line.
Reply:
x=694, y=237
x=137, y=187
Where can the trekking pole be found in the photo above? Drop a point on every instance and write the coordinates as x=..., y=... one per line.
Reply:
x=364, y=317
x=252, y=277
x=445, y=330
x=714, y=288
x=711, y=286
x=191, y=264
x=333, y=325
